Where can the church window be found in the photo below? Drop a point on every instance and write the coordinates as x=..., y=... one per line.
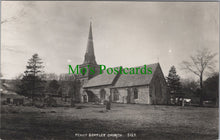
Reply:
x=135, y=93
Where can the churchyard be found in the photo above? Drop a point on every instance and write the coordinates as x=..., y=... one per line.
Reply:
x=123, y=121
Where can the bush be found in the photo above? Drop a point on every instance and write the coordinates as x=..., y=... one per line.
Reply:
x=39, y=104
x=10, y=109
x=28, y=104
x=4, y=102
x=49, y=101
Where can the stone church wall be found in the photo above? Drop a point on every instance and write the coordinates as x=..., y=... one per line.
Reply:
x=122, y=95
x=158, y=88
x=143, y=95
x=97, y=93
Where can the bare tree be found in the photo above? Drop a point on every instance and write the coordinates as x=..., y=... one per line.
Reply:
x=21, y=13
x=200, y=63
x=49, y=76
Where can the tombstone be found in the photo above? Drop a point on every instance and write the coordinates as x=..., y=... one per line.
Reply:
x=108, y=105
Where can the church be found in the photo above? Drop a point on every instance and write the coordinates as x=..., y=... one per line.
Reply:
x=121, y=88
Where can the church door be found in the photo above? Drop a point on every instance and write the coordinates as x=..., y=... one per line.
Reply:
x=91, y=96
x=84, y=98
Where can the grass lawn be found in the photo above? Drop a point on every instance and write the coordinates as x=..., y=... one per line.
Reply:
x=140, y=121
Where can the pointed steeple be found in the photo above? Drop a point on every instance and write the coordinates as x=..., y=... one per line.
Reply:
x=90, y=56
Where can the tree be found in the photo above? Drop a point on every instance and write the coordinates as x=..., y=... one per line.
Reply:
x=31, y=84
x=70, y=89
x=173, y=81
x=53, y=87
x=189, y=87
x=211, y=88
x=51, y=76
x=67, y=77
x=200, y=63
x=20, y=13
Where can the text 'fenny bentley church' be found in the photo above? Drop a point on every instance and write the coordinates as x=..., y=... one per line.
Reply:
x=121, y=88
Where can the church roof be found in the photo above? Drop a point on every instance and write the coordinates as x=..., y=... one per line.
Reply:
x=122, y=80
x=89, y=57
x=103, y=79
x=128, y=80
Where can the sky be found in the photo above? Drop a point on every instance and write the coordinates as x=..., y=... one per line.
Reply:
x=125, y=34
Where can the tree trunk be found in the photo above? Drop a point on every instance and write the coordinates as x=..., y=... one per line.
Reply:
x=202, y=92
x=217, y=100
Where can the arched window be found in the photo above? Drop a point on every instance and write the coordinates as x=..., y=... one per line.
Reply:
x=135, y=93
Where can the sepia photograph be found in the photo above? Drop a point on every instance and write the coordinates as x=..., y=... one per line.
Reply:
x=91, y=70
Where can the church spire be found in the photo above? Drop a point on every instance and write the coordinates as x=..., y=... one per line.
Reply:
x=90, y=56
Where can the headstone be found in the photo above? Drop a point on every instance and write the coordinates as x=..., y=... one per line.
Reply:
x=108, y=105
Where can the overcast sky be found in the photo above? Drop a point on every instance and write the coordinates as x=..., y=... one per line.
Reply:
x=125, y=33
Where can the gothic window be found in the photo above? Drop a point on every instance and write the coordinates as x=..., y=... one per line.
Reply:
x=135, y=93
